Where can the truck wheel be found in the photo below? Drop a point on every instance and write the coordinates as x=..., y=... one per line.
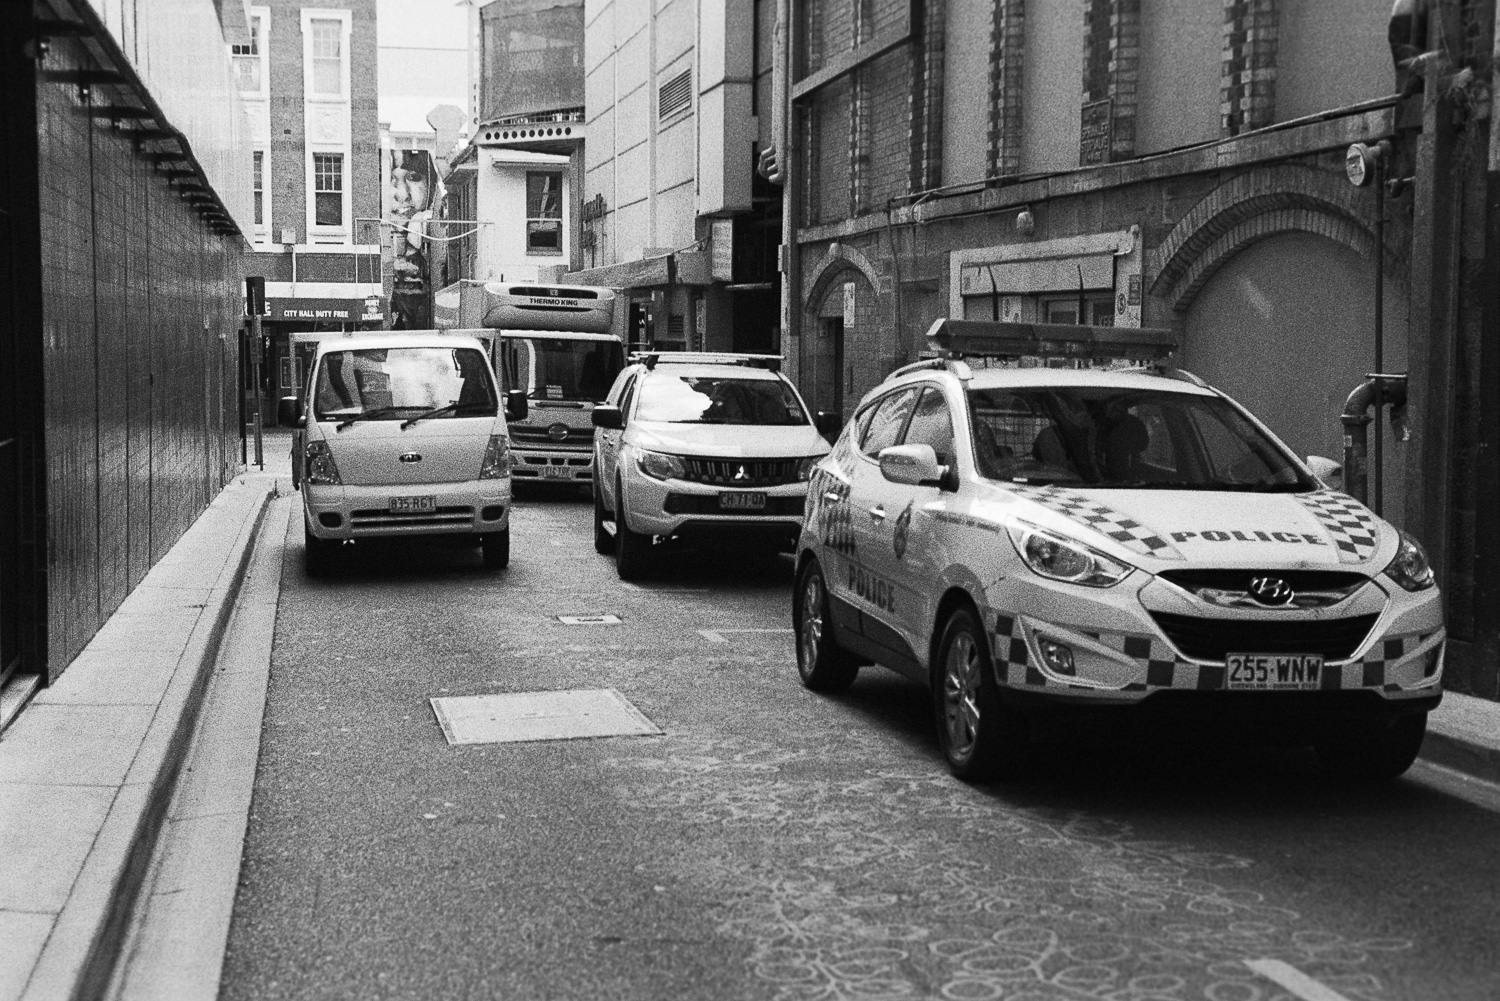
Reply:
x=496, y=549
x=823, y=664
x=633, y=556
x=980, y=737
x=321, y=553
x=603, y=541
x=1378, y=755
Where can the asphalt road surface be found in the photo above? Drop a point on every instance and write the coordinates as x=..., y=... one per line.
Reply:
x=773, y=843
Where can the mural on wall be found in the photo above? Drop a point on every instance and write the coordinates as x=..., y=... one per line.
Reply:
x=412, y=186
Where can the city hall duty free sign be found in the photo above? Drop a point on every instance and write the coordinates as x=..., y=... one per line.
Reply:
x=336, y=310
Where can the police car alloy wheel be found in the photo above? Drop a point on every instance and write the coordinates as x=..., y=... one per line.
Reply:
x=822, y=663
x=979, y=737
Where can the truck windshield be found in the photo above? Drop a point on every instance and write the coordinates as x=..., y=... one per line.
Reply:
x=395, y=383
x=562, y=368
x=1095, y=436
x=688, y=399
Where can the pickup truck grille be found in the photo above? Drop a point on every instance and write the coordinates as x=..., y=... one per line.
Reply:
x=741, y=472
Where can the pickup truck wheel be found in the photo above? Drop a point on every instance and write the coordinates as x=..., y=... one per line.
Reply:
x=603, y=541
x=496, y=549
x=823, y=665
x=633, y=556
x=321, y=553
x=1377, y=755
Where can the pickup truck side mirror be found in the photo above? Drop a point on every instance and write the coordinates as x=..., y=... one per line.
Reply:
x=912, y=465
x=1330, y=472
x=288, y=414
x=829, y=424
x=608, y=417
x=516, y=407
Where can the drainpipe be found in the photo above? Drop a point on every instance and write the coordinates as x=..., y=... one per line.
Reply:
x=1379, y=389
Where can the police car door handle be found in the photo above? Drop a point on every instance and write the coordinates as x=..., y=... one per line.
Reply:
x=878, y=513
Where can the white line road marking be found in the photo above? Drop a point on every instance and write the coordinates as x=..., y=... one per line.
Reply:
x=717, y=635
x=1294, y=980
x=712, y=636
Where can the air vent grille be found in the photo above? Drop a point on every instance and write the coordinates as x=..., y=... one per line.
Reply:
x=674, y=95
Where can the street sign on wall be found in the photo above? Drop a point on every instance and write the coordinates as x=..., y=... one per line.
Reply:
x=327, y=310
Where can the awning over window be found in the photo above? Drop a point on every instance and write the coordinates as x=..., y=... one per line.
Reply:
x=1057, y=274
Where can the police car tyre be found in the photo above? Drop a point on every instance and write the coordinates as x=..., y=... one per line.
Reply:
x=980, y=737
x=823, y=664
x=496, y=549
x=603, y=541
x=633, y=556
x=320, y=553
x=1376, y=756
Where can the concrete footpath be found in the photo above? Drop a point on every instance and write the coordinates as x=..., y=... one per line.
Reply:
x=89, y=770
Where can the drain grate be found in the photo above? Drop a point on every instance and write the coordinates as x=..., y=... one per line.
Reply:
x=530, y=716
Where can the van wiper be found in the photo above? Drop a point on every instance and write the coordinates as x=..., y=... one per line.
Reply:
x=366, y=415
x=434, y=412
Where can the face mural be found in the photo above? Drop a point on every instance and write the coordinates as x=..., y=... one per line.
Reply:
x=412, y=184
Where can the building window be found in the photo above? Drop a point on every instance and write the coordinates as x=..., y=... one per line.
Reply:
x=327, y=57
x=258, y=182
x=543, y=212
x=328, y=189
x=1099, y=310
x=674, y=95
x=248, y=68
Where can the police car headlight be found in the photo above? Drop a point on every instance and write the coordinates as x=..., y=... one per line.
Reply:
x=1057, y=557
x=498, y=461
x=806, y=466
x=1410, y=568
x=321, y=470
x=661, y=466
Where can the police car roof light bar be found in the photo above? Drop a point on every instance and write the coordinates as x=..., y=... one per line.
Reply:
x=998, y=339
x=653, y=358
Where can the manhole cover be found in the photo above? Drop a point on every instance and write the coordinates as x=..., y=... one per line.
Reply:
x=526, y=716
x=589, y=620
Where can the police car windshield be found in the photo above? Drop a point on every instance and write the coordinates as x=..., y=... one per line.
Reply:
x=692, y=399
x=1101, y=436
x=394, y=383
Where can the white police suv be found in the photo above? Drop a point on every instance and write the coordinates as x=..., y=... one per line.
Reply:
x=713, y=448
x=1030, y=542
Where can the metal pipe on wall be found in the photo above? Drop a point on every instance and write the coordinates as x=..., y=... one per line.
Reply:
x=1378, y=388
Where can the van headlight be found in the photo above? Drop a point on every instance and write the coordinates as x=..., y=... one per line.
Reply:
x=1411, y=568
x=1058, y=557
x=498, y=461
x=320, y=469
x=660, y=466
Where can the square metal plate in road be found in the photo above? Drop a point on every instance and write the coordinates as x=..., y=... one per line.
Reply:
x=589, y=620
x=527, y=716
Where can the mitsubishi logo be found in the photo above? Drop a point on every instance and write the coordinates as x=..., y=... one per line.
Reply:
x=411, y=457
x=1270, y=590
x=740, y=474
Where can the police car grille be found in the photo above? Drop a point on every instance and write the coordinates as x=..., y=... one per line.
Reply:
x=1238, y=579
x=1215, y=639
x=728, y=472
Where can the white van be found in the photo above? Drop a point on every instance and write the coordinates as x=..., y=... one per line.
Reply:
x=402, y=433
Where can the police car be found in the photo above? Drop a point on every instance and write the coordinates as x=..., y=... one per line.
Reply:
x=710, y=447
x=1044, y=543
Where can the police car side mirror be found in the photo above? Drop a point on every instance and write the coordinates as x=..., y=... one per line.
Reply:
x=829, y=424
x=516, y=407
x=912, y=465
x=288, y=414
x=1330, y=472
x=607, y=417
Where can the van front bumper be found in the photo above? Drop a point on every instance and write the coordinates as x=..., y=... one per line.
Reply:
x=358, y=512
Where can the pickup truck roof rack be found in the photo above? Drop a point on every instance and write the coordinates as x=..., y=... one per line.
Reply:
x=653, y=358
x=958, y=339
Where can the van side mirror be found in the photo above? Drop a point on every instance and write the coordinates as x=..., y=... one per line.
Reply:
x=829, y=424
x=608, y=417
x=288, y=414
x=516, y=407
x=912, y=465
x=1330, y=472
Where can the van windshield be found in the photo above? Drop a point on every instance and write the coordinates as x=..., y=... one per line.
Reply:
x=562, y=368
x=394, y=383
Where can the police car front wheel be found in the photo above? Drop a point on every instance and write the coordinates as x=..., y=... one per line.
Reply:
x=1378, y=753
x=980, y=737
x=823, y=664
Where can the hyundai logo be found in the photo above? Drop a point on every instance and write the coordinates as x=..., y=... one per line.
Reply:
x=411, y=457
x=1270, y=590
x=558, y=432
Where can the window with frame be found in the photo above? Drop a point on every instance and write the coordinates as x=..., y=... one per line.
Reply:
x=888, y=421
x=328, y=189
x=247, y=60
x=932, y=424
x=258, y=183
x=327, y=57
x=544, y=212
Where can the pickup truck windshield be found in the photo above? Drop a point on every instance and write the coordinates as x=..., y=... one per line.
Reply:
x=1096, y=436
x=687, y=399
x=397, y=383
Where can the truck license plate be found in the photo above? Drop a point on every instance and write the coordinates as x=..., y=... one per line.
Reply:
x=550, y=472
x=743, y=501
x=413, y=505
x=1275, y=671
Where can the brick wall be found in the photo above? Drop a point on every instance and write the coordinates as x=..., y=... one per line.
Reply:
x=1248, y=90
x=1111, y=70
x=1007, y=69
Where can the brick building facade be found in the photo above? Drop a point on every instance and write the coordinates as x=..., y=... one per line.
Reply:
x=1171, y=163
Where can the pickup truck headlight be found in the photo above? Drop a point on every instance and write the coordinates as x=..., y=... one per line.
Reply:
x=660, y=466
x=320, y=469
x=1058, y=557
x=498, y=461
x=806, y=466
x=1410, y=568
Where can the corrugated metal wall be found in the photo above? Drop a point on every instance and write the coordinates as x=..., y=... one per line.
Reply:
x=141, y=306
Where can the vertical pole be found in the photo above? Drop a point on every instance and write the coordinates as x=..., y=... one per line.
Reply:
x=1487, y=455
x=785, y=131
x=256, y=351
x=1378, y=492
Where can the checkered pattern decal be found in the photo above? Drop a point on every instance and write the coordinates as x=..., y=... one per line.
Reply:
x=1125, y=530
x=1161, y=668
x=835, y=519
x=1349, y=523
